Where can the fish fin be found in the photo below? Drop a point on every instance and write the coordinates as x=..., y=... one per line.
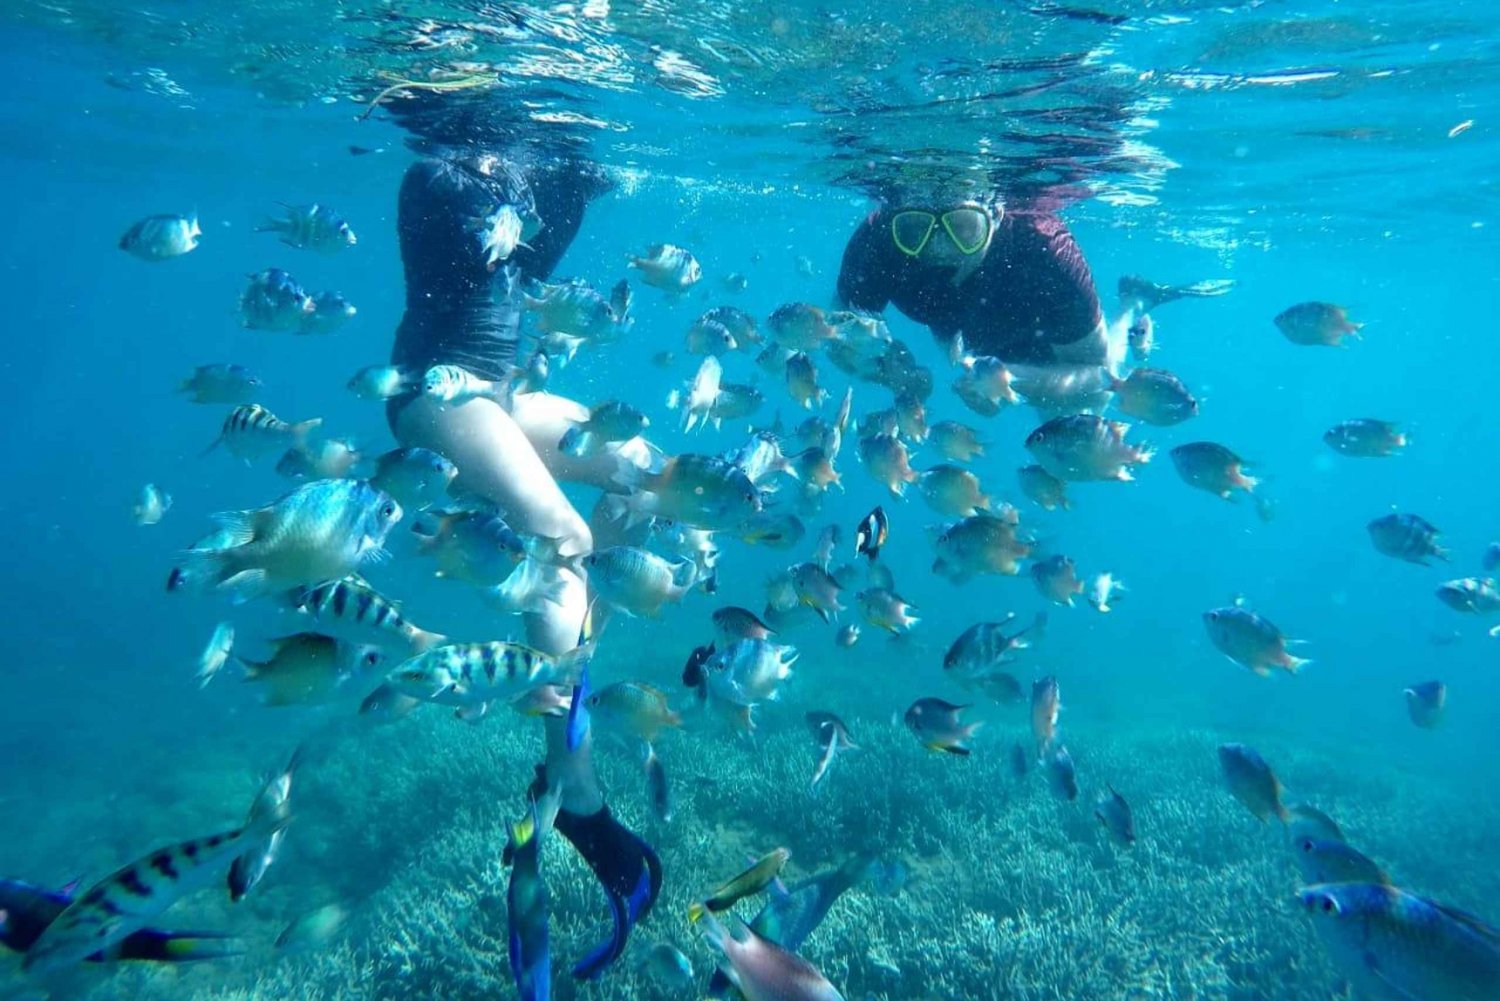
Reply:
x=247, y=584
x=472, y=714
x=1295, y=664
x=237, y=528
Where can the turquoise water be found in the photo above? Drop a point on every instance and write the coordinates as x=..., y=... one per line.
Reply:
x=1302, y=150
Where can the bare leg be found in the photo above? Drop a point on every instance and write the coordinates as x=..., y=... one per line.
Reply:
x=496, y=461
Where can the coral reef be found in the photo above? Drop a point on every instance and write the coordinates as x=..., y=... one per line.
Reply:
x=1012, y=892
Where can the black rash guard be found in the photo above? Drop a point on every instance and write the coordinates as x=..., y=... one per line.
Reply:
x=458, y=311
x=1031, y=296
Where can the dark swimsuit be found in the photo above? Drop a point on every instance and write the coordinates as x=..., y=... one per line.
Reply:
x=1032, y=292
x=458, y=311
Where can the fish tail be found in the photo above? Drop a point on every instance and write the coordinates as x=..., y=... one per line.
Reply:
x=422, y=640
x=302, y=429
x=1295, y=664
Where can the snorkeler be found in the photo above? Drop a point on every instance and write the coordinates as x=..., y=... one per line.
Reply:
x=463, y=308
x=1009, y=279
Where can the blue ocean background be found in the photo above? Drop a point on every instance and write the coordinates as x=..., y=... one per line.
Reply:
x=108, y=748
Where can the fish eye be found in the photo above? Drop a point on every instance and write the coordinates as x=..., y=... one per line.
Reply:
x=1328, y=905
x=1306, y=844
x=388, y=510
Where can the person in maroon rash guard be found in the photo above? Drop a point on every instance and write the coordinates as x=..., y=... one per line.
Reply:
x=1008, y=278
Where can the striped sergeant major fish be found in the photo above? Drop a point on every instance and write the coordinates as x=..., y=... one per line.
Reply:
x=470, y=676
x=251, y=432
x=125, y=902
x=29, y=910
x=353, y=605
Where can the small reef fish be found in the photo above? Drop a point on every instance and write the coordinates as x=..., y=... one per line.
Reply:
x=817, y=589
x=1393, y=944
x=1043, y=489
x=383, y=382
x=1086, y=447
x=748, y=672
x=251, y=432
x=415, y=478
x=273, y=800
x=709, y=337
x=981, y=651
x=1250, y=640
x=1210, y=466
x=703, y=393
x=887, y=461
x=1104, y=592
x=321, y=531
x=637, y=581
x=453, y=384
x=1330, y=860
x=1427, y=703
x=1155, y=396
x=937, y=726
x=986, y=386
x=982, y=544
x=887, y=610
x=152, y=506
x=575, y=310
x=1141, y=338
x=1046, y=704
x=159, y=237
x=1062, y=774
x=700, y=491
x=311, y=227
x=632, y=709
x=832, y=738
x=216, y=654
x=1115, y=816
x=310, y=668
x=1252, y=782
x=874, y=528
x=1366, y=438
x=746, y=884
x=273, y=300
x=955, y=442
x=221, y=383
x=1407, y=537
x=735, y=623
x=500, y=233
x=667, y=267
x=352, y=605
x=313, y=930
x=1316, y=324
x=798, y=326
x=1056, y=578
x=326, y=459
x=609, y=422
x=952, y=491
x=330, y=312
x=471, y=676
x=1477, y=595
x=1306, y=820
x=772, y=530
x=847, y=636
x=668, y=968
x=802, y=381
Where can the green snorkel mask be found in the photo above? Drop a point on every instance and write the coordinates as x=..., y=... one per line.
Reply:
x=968, y=226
